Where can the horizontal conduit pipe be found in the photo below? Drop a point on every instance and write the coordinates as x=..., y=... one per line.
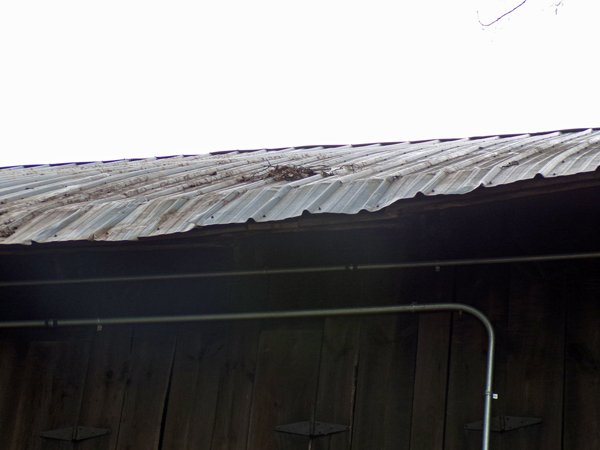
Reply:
x=298, y=270
x=414, y=308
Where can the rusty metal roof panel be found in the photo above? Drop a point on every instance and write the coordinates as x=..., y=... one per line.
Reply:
x=130, y=199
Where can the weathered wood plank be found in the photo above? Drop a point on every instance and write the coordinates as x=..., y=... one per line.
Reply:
x=51, y=392
x=431, y=371
x=382, y=418
x=337, y=380
x=535, y=360
x=429, y=402
x=146, y=392
x=12, y=370
x=199, y=363
x=105, y=386
x=235, y=394
x=582, y=385
x=285, y=386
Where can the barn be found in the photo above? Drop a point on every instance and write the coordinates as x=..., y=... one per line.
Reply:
x=108, y=271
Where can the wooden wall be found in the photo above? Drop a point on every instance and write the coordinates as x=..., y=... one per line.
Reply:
x=405, y=382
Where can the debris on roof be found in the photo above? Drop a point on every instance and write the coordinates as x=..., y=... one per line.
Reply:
x=290, y=173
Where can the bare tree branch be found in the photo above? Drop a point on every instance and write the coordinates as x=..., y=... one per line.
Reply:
x=502, y=16
x=557, y=5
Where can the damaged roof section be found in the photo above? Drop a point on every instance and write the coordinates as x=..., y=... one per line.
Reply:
x=130, y=199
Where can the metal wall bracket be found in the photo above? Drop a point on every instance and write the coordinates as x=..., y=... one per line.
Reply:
x=312, y=429
x=501, y=424
x=74, y=434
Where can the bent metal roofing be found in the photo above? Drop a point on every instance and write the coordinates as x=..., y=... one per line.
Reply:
x=130, y=199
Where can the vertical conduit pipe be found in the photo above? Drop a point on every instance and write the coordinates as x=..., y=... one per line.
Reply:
x=396, y=309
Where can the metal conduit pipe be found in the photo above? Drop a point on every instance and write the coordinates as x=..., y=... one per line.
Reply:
x=414, y=308
x=297, y=270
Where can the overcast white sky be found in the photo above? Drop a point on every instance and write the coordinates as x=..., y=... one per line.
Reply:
x=83, y=80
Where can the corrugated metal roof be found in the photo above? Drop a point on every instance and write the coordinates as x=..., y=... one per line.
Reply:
x=129, y=199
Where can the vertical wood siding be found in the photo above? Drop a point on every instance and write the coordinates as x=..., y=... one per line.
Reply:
x=405, y=382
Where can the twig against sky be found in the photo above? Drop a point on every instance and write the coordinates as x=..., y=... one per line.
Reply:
x=502, y=16
x=557, y=5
